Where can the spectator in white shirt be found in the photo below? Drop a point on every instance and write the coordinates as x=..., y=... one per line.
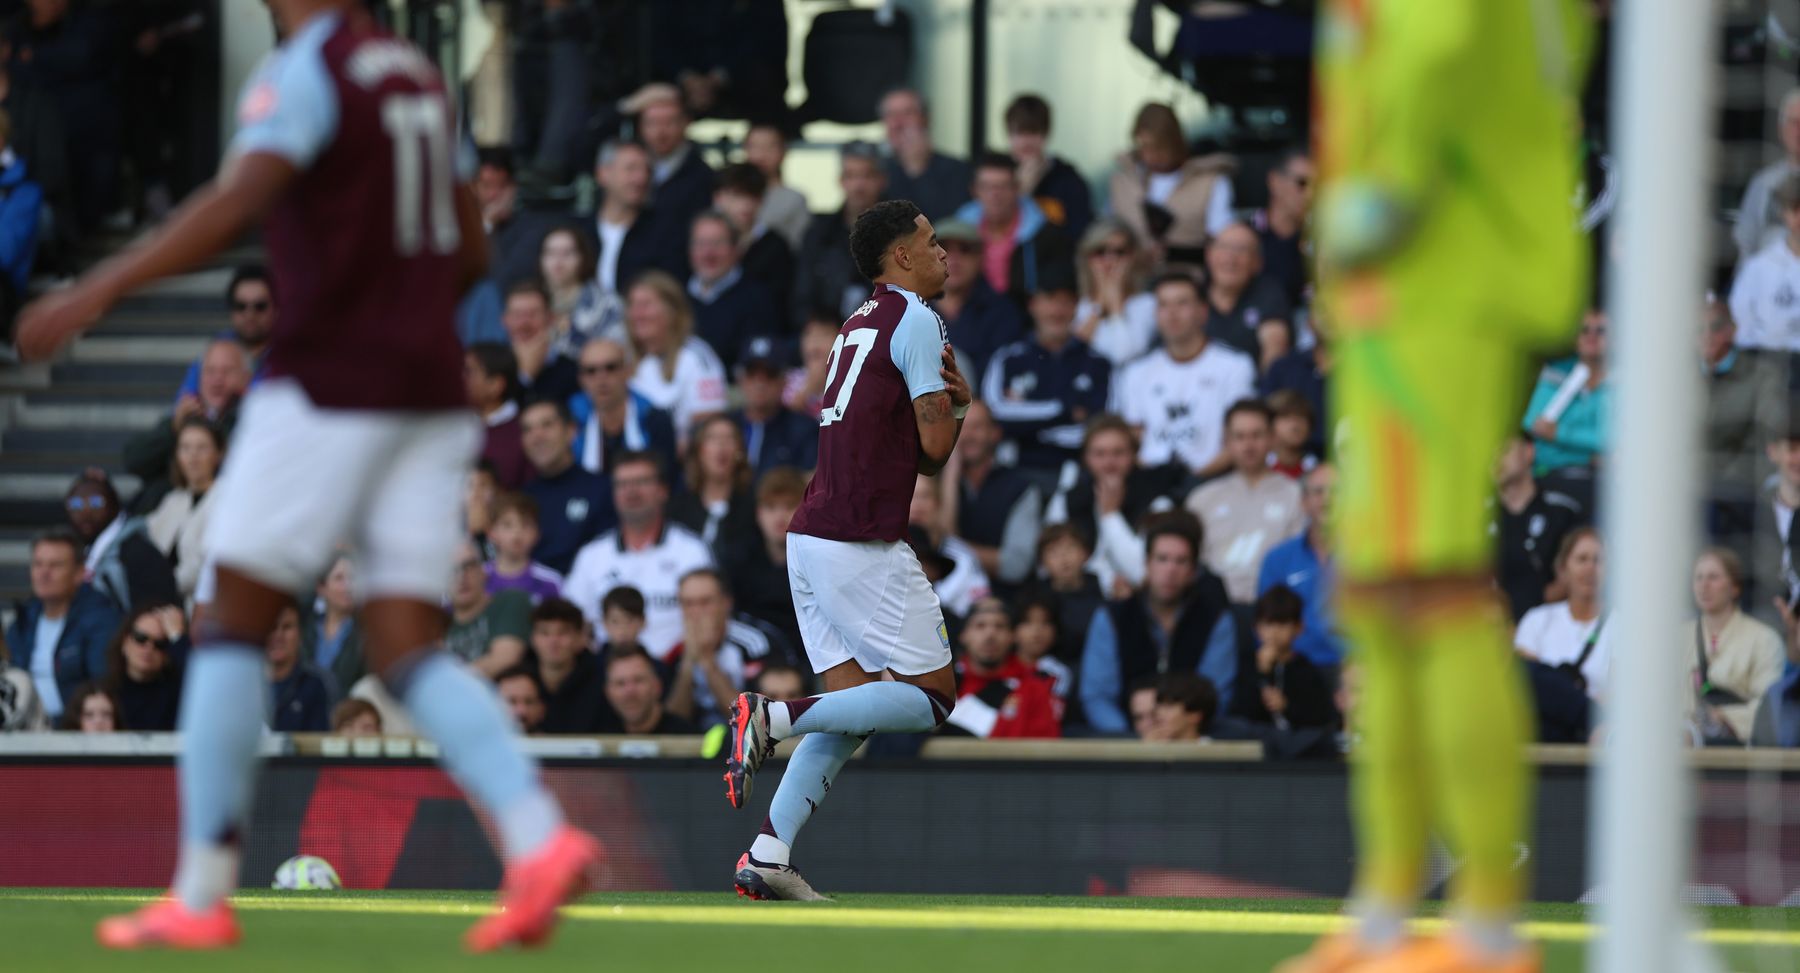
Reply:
x=1175, y=397
x=1765, y=297
x=676, y=370
x=1572, y=632
x=1759, y=220
x=646, y=551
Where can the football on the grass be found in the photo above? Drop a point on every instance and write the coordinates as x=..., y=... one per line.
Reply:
x=306, y=873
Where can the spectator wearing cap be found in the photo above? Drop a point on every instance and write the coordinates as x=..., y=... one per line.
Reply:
x=628, y=234
x=774, y=435
x=1180, y=621
x=1281, y=226
x=730, y=307
x=1761, y=218
x=829, y=283
x=1249, y=510
x=1043, y=389
x=681, y=183
x=1059, y=190
x=1171, y=201
x=611, y=418
x=59, y=634
x=122, y=562
x=574, y=505
x=999, y=695
x=1764, y=292
x=1246, y=309
x=250, y=297
x=491, y=376
x=1021, y=250
x=784, y=209
x=1304, y=564
x=997, y=509
x=936, y=182
x=758, y=572
x=763, y=253
x=978, y=320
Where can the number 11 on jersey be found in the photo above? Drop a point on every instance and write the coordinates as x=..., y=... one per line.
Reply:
x=860, y=341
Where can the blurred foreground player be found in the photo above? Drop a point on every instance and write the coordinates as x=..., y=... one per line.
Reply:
x=893, y=407
x=362, y=431
x=1449, y=251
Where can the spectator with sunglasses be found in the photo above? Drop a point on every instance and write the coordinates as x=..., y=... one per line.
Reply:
x=611, y=418
x=122, y=563
x=144, y=667
x=59, y=634
x=1567, y=416
x=1282, y=224
x=250, y=297
x=1117, y=315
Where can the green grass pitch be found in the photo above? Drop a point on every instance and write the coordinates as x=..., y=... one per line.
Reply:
x=388, y=932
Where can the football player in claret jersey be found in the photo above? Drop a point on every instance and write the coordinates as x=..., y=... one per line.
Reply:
x=361, y=432
x=892, y=409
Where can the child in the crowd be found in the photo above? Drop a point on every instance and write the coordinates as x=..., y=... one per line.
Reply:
x=356, y=718
x=1063, y=577
x=1036, y=628
x=1295, y=695
x=514, y=532
x=621, y=616
x=1294, y=421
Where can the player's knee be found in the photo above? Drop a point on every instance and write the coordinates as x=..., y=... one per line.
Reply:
x=941, y=706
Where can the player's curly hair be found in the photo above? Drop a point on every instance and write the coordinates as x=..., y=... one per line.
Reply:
x=877, y=229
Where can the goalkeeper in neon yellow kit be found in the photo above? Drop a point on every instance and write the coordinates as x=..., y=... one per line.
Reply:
x=1448, y=253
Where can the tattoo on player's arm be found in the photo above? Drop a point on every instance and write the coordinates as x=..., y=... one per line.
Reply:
x=934, y=407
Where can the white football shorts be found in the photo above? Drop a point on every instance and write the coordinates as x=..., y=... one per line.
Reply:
x=868, y=601
x=300, y=480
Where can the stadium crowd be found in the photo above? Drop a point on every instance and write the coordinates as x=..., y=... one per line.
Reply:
x=1132, y=537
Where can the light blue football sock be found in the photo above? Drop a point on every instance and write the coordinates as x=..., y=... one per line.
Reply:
x=875, y=707
x=463, y=716
x=223, y=704
x=810, y=771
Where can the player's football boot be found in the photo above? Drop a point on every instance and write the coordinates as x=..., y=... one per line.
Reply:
x=534, y=887
x=750, y=743
x=773, y=883
x=1339, y=952
x=1449, y=954
x=168, y=924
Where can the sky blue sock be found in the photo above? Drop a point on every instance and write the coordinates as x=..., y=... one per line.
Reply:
x=810, y=771
x=462, y=715
x=222, y=712
x=893, y=707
